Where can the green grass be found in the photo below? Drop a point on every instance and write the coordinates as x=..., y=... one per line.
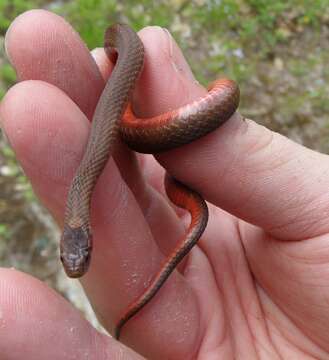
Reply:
x=8, y=73
x=9, y=9
x=249, y=27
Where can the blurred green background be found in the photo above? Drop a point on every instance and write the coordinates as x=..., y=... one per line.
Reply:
x=277, y=50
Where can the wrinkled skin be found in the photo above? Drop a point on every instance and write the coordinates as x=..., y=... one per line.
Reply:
x=256, y=286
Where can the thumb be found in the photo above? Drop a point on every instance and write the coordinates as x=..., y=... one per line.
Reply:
x=242, y=167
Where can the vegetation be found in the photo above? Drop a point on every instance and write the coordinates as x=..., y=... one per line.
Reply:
x=256, y=26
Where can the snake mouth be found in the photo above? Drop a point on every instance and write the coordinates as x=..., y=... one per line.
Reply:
x=75, y=273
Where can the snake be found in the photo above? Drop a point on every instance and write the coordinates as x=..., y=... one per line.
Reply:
x=114, y=119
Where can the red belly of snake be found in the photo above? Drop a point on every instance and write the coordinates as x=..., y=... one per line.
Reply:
x=114, y=118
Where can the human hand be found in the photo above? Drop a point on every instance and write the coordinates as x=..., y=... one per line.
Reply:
x=245, y=290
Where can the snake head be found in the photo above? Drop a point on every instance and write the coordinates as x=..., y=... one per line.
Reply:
x=75, y=251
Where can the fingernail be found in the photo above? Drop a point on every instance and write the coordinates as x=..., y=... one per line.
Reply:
x=178, y=61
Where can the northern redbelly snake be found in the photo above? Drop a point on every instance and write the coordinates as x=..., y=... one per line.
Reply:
x=113, y=118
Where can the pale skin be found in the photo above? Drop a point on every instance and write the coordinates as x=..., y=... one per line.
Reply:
x=256, y=286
